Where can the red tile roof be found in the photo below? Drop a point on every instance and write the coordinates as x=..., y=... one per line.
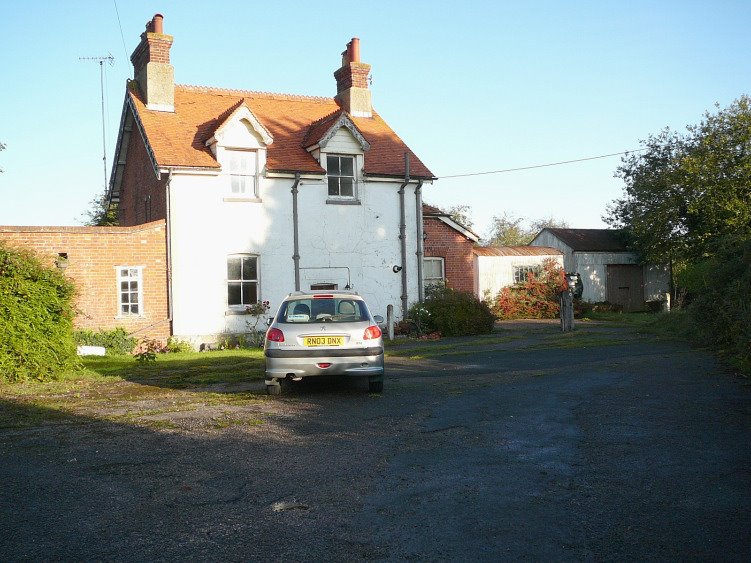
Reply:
x=178, y=139
x=515, y=251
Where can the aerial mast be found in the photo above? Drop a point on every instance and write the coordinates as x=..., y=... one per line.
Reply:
x=110, y=59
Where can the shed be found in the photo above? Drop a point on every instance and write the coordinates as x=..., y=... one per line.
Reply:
x=609, y=269
x=497, y=267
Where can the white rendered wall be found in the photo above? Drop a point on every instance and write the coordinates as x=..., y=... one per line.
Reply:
x=205, y=229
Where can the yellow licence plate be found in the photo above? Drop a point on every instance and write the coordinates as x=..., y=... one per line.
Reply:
x=323, y=340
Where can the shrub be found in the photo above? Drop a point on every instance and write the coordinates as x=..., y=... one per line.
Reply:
x=537, y=298
x=452, y=313
x=115, y=341
x=175, y=345
x=36, y=318
x=147, y=350
x=721, y=311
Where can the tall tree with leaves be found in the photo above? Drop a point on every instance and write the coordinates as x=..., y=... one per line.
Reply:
x=462, y=214
x=509, y=230
x=688, y=195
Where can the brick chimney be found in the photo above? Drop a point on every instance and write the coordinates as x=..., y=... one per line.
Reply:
x=152, y=69
x=352, y=82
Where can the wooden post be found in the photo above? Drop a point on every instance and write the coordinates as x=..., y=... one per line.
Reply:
x=567, y=311
x=390, y=321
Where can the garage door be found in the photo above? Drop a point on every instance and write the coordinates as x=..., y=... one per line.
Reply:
x=626, y=286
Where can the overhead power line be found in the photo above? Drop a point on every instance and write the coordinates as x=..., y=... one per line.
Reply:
x=539, y=165
x=120, y=25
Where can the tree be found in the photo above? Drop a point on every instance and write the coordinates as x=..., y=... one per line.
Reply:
x=509, y=230
x=101, y=212
x=688, y=195
x=462, y=215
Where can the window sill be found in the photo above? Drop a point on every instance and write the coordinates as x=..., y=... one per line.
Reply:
x=129, y=317
x=343, y=202
x=244, y=199
x=235, y=312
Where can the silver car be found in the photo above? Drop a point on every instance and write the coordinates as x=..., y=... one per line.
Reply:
x=330, y=333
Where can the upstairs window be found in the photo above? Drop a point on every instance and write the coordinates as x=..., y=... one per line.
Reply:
x=130, y=283
x=242, y=280
x=341, y=174
x=243, y=172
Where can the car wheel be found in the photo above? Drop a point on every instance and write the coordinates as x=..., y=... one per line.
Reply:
x=375, y=386
x=274, y=389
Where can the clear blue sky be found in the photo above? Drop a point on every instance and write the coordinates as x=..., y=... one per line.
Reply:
x=471, y=87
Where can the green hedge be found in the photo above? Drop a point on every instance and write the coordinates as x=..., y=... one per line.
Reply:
x=115, y=341
x=36, y=318
x=453, y=313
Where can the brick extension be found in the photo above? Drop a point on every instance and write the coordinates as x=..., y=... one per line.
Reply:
x=456, y=250
x=93, y=255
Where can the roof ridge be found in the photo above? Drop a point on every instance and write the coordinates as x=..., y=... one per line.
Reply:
x=326, y=117
x=236, y=91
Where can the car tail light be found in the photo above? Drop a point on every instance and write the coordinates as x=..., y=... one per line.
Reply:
x=372, y=332
x=324, y=365
x=275, y=335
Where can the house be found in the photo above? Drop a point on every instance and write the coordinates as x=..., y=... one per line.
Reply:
x=262, y=194
x=497, y=267
x=609, y=270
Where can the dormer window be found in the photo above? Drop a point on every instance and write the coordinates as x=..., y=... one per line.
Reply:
x=341, y=174
x=242, y=166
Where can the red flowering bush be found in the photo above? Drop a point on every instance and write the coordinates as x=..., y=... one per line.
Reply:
x=536, y=298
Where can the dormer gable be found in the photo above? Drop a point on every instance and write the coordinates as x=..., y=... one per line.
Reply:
x=330, y=129
x=242, y=130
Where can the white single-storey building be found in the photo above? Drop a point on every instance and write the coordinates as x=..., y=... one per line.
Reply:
x=497, y=267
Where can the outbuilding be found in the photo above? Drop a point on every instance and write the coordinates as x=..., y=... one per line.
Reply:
x=609, y=269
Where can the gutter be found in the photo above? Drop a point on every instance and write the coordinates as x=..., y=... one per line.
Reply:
x=420, y=252
x=296, y=231
x=169, y=252
x=403, y=235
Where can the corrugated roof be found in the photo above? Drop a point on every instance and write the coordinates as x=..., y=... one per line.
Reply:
x=592, y=240
x=178, y=138
x=515, y=251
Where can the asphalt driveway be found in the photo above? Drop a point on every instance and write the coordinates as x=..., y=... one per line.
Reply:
x=601, y=445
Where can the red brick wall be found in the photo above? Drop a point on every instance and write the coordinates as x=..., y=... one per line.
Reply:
x=456, y=250
x=142, y=195
x=93, y=254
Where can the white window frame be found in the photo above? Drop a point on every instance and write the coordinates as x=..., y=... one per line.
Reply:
x=257, y=281
x=242, y=175
x=428, y=281
x=133, y=274
x=330, y=175
x=521, y=271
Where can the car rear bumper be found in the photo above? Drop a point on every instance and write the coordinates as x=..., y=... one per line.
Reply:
x=301, y=363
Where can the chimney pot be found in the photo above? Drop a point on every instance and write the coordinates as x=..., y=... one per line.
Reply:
x=158, y=23
x=354, y=50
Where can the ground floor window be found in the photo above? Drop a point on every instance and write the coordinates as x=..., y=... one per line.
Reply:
x=242, y=280
x=521, y=272
x=130, y=284
x=433, y=272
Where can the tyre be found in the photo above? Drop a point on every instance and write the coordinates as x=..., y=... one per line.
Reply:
x=375, y=386
x=274, y=389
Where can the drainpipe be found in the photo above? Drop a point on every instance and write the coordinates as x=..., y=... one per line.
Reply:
x=403, y=235
x=169, y=251
x=418, y=218
x=295, y=230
